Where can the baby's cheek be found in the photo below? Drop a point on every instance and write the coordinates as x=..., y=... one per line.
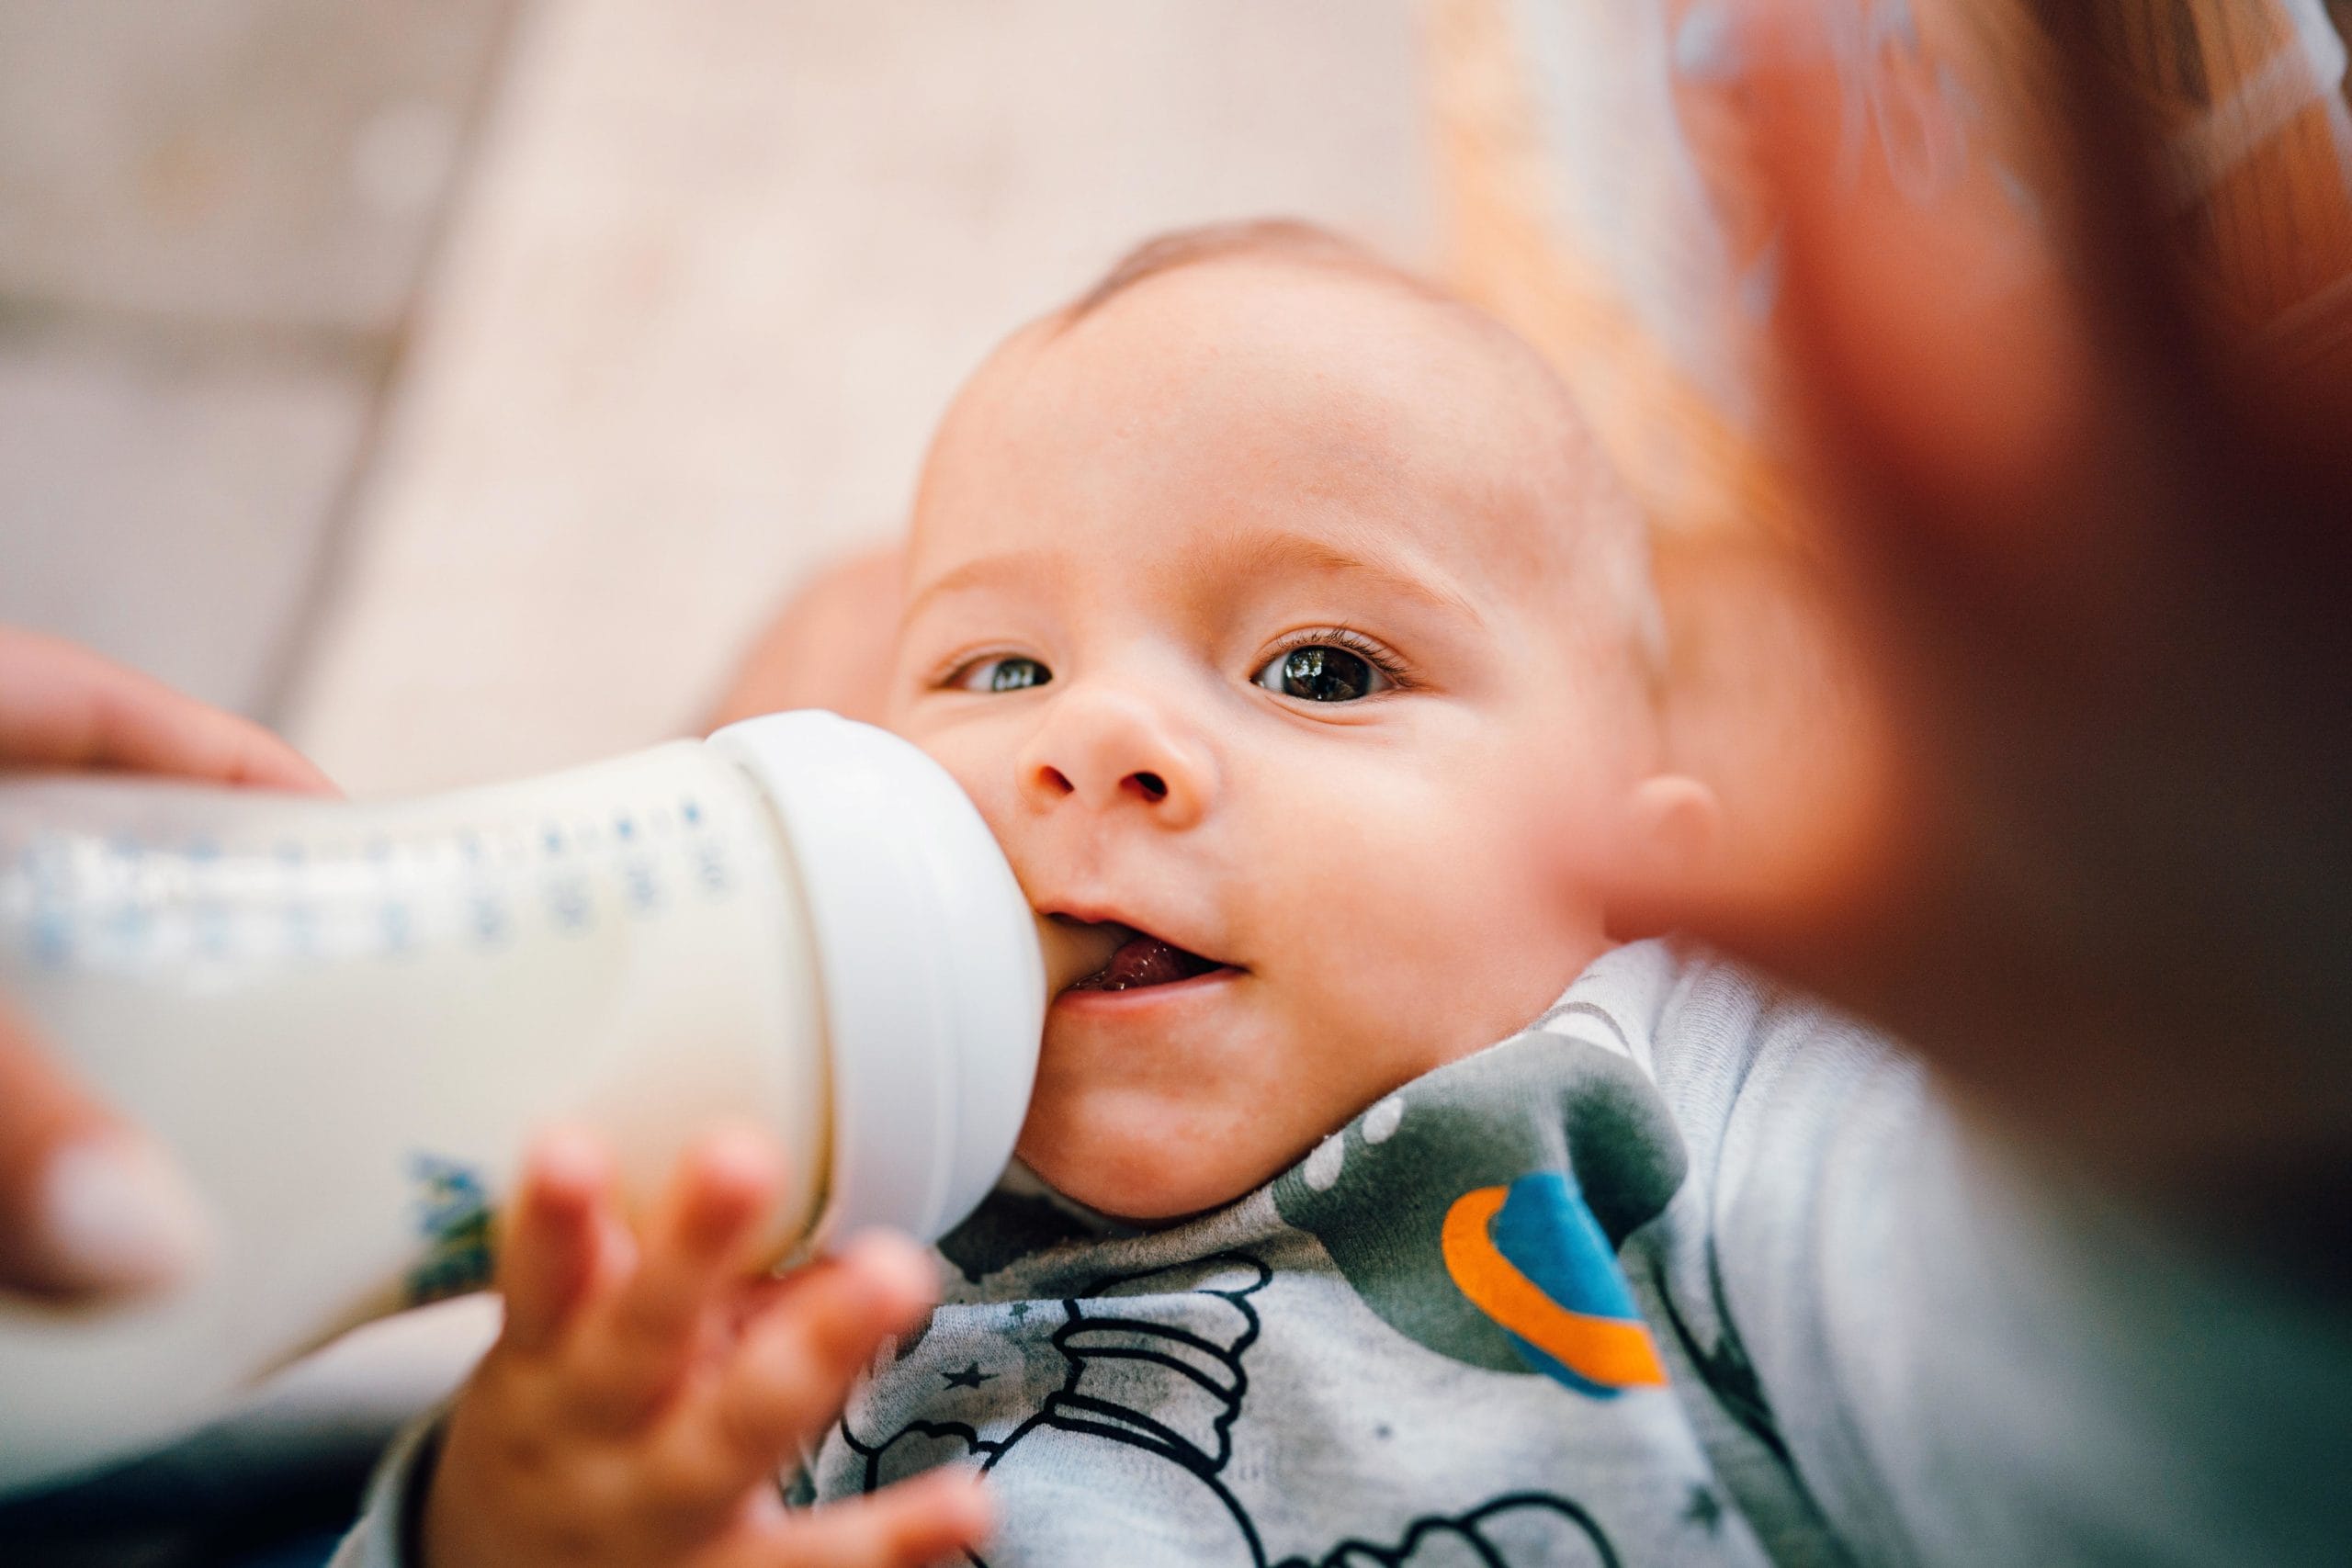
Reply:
x=983, y=769
x=964, y=757
x=1455, y=942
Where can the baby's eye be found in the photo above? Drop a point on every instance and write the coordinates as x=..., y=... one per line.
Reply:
x=1321, y=673
x=1010, y=673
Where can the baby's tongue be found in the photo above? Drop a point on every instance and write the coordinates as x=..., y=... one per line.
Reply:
x=1145, y=960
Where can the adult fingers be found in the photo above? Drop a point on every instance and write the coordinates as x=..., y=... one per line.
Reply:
x=795, y=1365
x=1981, y=499
x=87, y=1206
x=694, y=1244
x=63, y=706
x=553, y=1249
x=1935, y=373
x=906, y=1526
x=2001, y=400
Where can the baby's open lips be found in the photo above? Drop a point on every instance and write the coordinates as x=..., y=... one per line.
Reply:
x=1142, y=959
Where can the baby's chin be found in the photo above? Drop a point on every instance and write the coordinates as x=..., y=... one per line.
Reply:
x=1147, y=1174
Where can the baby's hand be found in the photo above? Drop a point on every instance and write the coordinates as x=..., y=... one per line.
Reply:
x=647, y=1388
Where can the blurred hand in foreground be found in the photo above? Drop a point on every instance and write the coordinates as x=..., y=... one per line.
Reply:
x=87, y=1206
x=2094, y=562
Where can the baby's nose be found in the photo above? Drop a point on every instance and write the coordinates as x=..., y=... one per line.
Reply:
x=1105, y=748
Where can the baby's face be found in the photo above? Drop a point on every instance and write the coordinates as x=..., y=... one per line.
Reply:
x=1243, y=610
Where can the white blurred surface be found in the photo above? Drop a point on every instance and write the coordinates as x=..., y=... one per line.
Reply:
x=721, y=267
x=212, y=222
x=170, y=507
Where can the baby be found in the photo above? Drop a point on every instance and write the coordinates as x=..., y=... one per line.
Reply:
x=1278, y=615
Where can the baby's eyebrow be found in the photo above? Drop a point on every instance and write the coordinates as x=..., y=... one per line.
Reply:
x=1027, y=567
x=1368, y=559
x=1254, y=555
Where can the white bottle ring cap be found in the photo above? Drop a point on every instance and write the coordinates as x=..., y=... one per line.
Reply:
x=934, y=989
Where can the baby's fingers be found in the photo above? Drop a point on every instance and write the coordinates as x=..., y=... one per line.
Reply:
x=692, y=1250
x=792, y=1370
x=907, y=1526
x=564, y=1235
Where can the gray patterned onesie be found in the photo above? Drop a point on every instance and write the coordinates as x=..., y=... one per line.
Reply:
x=1692, y=1271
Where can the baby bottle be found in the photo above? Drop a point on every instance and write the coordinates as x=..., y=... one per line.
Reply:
x=345, y=1021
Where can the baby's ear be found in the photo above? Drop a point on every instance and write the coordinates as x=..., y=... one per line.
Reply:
x=1671, y=828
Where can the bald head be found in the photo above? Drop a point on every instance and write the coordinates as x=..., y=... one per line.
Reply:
x=1382, y=360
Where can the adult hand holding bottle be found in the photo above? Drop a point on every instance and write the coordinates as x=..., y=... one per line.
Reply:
x=88, y=1206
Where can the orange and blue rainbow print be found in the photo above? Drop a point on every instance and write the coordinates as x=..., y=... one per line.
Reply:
x=1531, y=1258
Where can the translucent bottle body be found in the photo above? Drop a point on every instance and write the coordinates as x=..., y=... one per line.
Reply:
x=345, y=1021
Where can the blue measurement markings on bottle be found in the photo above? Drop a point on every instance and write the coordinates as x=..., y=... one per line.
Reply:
x=566, y=891
x=128, y=922
x=299, y=920
x=641, y=888
x=486, y=919
x=48, y=930
x=395, y=922
x=211, y=930
x=710, y=854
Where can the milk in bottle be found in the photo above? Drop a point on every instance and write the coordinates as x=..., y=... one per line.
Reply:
x=344, y=1021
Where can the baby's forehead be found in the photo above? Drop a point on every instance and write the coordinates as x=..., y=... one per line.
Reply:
x=1354, y=326
x=1323, y=374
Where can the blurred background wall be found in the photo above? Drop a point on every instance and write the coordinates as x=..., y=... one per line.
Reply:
x=213, y=221
x=457, y=385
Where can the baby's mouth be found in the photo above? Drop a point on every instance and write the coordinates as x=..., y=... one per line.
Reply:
x=1145, y=960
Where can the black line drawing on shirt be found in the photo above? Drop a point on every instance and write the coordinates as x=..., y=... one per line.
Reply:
x=1531, y=1515
x=1725, y=1369
x=1147, y=1371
